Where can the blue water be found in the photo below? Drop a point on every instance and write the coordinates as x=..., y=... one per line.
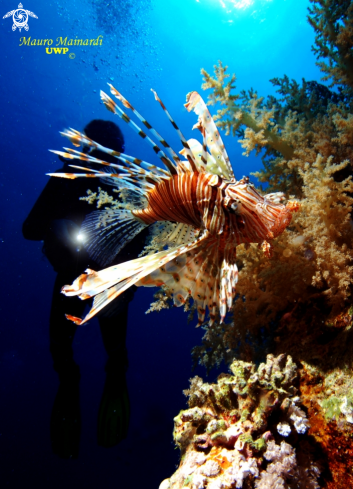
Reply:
x=150, y=44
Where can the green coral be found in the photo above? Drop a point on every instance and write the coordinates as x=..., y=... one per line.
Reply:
x=332, y=407
x=260, y=444
x=249, y=395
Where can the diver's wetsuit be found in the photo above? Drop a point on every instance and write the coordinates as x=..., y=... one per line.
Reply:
x=55, y=219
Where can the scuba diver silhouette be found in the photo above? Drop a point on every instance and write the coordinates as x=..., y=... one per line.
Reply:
x=56, y=218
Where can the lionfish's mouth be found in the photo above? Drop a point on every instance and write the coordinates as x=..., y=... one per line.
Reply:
x=282, y=221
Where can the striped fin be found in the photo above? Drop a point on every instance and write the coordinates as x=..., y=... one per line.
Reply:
x=200, y=157
x=139, y=176
x=132, y=199
x=101, y=174
x=129, y=161
x=144, y=177
x=162, y=141
x=168, y=233
x=107, y=231
x=213, y=290
x=109, y=283
x=203, y=282
x=188, y=152
x=113, y=182
x=184, y=276
x=182, y=233
x=229, y=279
x=113, y=107
x=215, y=144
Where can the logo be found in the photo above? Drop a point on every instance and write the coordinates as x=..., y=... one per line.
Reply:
x=20, y=17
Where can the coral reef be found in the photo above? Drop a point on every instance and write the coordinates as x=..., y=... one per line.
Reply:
x=304, y=138
x=299, y=301
x=305, y=121
x=332, y=21
x=248, y=430
x=329, y=425
x=313, y=260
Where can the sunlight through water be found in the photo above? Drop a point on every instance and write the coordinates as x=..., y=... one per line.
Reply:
x=238, y=4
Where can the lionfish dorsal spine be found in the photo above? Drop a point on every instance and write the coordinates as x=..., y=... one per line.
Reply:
x=115, y=109
x=135, y=177
x=188, y=153
x=130, y=161
x=161, y=140
x=209, y=130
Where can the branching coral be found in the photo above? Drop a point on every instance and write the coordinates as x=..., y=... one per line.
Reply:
x=305, y=140
x=303, y=122
x=289, y=131
x=283, y=467
x=313, y=258
x=326, y=224
x=164, y=299
x=332, y=21
x=101, y=198
x=245, y=109
x=297, y=301
x=232, y=433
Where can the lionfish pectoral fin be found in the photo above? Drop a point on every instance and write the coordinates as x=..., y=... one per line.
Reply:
x=109, y=283
x=229, y=279
x=196, y=274
x=106, y=232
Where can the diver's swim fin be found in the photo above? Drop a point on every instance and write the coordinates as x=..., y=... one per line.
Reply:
x=114, y=411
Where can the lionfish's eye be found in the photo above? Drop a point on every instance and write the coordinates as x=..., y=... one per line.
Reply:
x=235, y=206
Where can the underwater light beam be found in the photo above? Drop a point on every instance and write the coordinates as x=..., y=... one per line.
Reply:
x=231, y=5
x=238, y=4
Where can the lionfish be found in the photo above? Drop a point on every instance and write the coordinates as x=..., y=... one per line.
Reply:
x=202, y=211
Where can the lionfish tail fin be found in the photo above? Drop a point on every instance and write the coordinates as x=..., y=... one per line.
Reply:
x=107, y=231
x=108, y=284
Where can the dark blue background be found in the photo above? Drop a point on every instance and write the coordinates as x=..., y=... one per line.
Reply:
x=160, y=45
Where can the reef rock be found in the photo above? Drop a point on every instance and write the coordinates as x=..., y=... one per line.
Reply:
x=232, y=435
